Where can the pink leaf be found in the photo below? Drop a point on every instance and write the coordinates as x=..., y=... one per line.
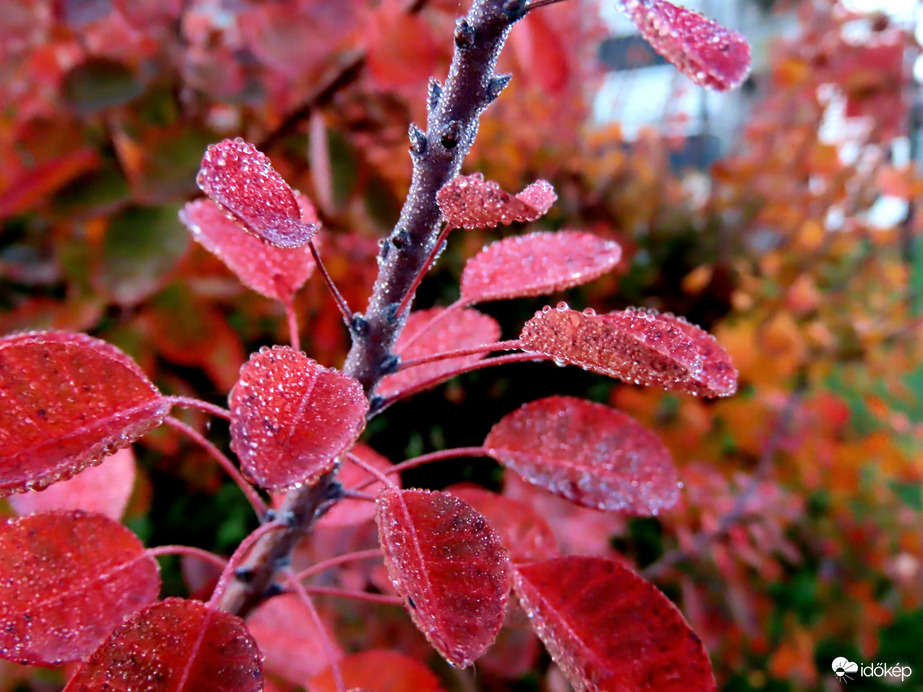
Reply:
x=609, y=629
x=469, y=201
x=67, y=579
x=66, y=401
x=174, y=646
x=536, y=264
x=706, y=52
x=379, y=670
x=588, y=453
x=240, y=179
x=449, y=566
x=639, y=346
x=291, y=417
x=288, y=639
x=351, y=512
x=523, y=531
x=103, y=489
x=459, y=329
x=272, y=271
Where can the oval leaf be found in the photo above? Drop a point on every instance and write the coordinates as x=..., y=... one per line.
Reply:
x=588, y=453
x=174, y=646
x=67, y=579
x=104, y=489
x=469, y=201
x=241, y=180
x=706, y=52
x=523, y=531
x=449, y=566
x=459, y=329
x=291, y=417
x=350, y=512
x=379, y=670
x=536, y=264
x=272, y=271
x=66, y=401
x=609, y=629
x=639, y=346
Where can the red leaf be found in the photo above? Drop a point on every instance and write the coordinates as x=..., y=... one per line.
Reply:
x=291, y=417
x=67, y=579
x=42, y=181
x=272, y=271
x=706, y=52
x=639, y=346
x=174, y=646
x=285, y=633
x=521, y=529
x=469, y=201
x=66, y=401
x=103, y=489
x=240, y=178
x=609, y=629
x=536, y=264
x=459, y=329
x=351, y=512
x=379, y=670
x=588, y=453
x=449, y=566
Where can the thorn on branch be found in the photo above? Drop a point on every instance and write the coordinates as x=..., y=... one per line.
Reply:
x=359, y=326
x=496, y=85
x=464, y=34
x=434, y=95
x=451, y=134
x=418, y=143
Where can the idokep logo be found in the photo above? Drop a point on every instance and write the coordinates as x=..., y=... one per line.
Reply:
x=846, y=670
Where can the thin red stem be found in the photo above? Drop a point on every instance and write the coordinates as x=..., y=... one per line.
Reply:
x=248, y=490
x=357, y=595
x=189, y=402
x=368, y=467
x=321, y=631
x=188, y=551
x=337, y=296
x=535, y=4
x=424, y=269
x=374, y=554
x=349, y=494
x=441, y=455
x=292, y=317
x=473, y=350
x=429, y=325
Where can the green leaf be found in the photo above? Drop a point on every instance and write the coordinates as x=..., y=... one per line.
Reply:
x=910, y=493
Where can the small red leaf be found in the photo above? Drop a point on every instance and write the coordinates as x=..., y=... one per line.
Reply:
x=379, y=670
x=291, y=417
x=469, y=201
x=449, y=566
x=706, y=52
x=609, y=629
x=521, y=529
x=174, y=646
x=588, y=453
x=67, y=579
x=459, y=329
x=104, y=489
x=240, y=179
x=66, y=401
x=272, y=271
x=536, y=264
x=639, y=346
x=351, y=512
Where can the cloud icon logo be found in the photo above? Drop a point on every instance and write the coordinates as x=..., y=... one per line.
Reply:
x=841, y=666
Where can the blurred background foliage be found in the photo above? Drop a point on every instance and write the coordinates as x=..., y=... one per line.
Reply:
x=798, y=537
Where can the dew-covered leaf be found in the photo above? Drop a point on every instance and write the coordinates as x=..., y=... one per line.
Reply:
x=104, y=489
x=609, y=629
x=272, y=271
x=459, y=329
x=240, y=179
x=588, y=453
x=449, y=566
x=536, y=264
x=469, y=201
x=66, y=401
x=67, y=579
x=380, y=670
x=351, y=512
x=174, y=646
x=706, y=52
x=291, y=417
x=523, y=531
x=638, y=346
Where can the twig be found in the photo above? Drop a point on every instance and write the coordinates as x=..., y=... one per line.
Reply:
x=321, y=631
x=459, y=352
x=456, y=453
x=334, y=291
x=188, y=551
x=374, y=554
x=189, y=402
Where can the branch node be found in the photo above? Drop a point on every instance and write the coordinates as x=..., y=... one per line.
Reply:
x=389, y=364
x=496, y=85
x=418, y=143
x=390, y=312
x=400, y=238
x=269, y=516
x=375, y=404
x=434, y=96
x=289, y=519
x=284, y=561
x=464, y=34
x=451, y=134
x=244, y=574
x=334, y=491
x=359, y=326
x=515, y=9
x=385, y=249
x=274, y=589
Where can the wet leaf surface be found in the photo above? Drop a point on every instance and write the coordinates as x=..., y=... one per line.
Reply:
x=66, y=401
x=67, y=579
x=469, y=201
